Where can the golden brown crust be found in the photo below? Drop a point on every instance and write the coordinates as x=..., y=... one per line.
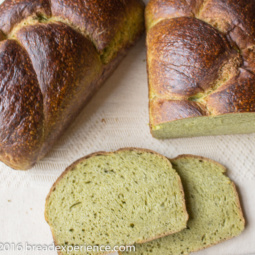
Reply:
x=157, y=10
x=47, y=142
x=110, y=153
x=2, y=36
x=87, y=15
x=200, y=51
x=64, y=64
x=21, y=113
x=248, y=58
x=13, y=12
x=107, y=71
x=162, y=110
x=185, y=56
x=235, y=18
x=237, y=95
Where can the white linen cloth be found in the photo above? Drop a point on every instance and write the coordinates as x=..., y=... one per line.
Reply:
x=118, y=117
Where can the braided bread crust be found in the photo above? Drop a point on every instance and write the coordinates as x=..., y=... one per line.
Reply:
x=201, y=62
x=54, y=55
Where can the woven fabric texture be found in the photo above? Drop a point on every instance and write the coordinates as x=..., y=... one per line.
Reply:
x=118, y=117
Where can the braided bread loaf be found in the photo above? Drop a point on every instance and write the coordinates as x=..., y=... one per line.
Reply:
x=201, y=67
x=54, y=55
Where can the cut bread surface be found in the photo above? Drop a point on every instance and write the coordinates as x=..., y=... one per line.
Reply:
x=234, y=123
x=121, y=198
x=213, y=205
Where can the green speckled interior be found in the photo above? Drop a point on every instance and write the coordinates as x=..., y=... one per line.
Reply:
x=213, y=208
x=236, y=123
x=117, y=199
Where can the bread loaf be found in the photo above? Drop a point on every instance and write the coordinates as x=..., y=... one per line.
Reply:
x=54, y=55
x=213, y=206
x=201, y=67
x=115, y=199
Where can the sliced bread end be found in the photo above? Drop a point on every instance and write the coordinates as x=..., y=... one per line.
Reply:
x=117, y=198
x=213, y=206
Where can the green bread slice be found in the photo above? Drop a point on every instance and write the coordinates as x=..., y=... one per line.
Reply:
x=213, y=205
x=116, y=199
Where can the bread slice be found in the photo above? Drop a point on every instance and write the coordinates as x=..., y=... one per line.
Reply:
x=213, y=206
x=119, y=198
